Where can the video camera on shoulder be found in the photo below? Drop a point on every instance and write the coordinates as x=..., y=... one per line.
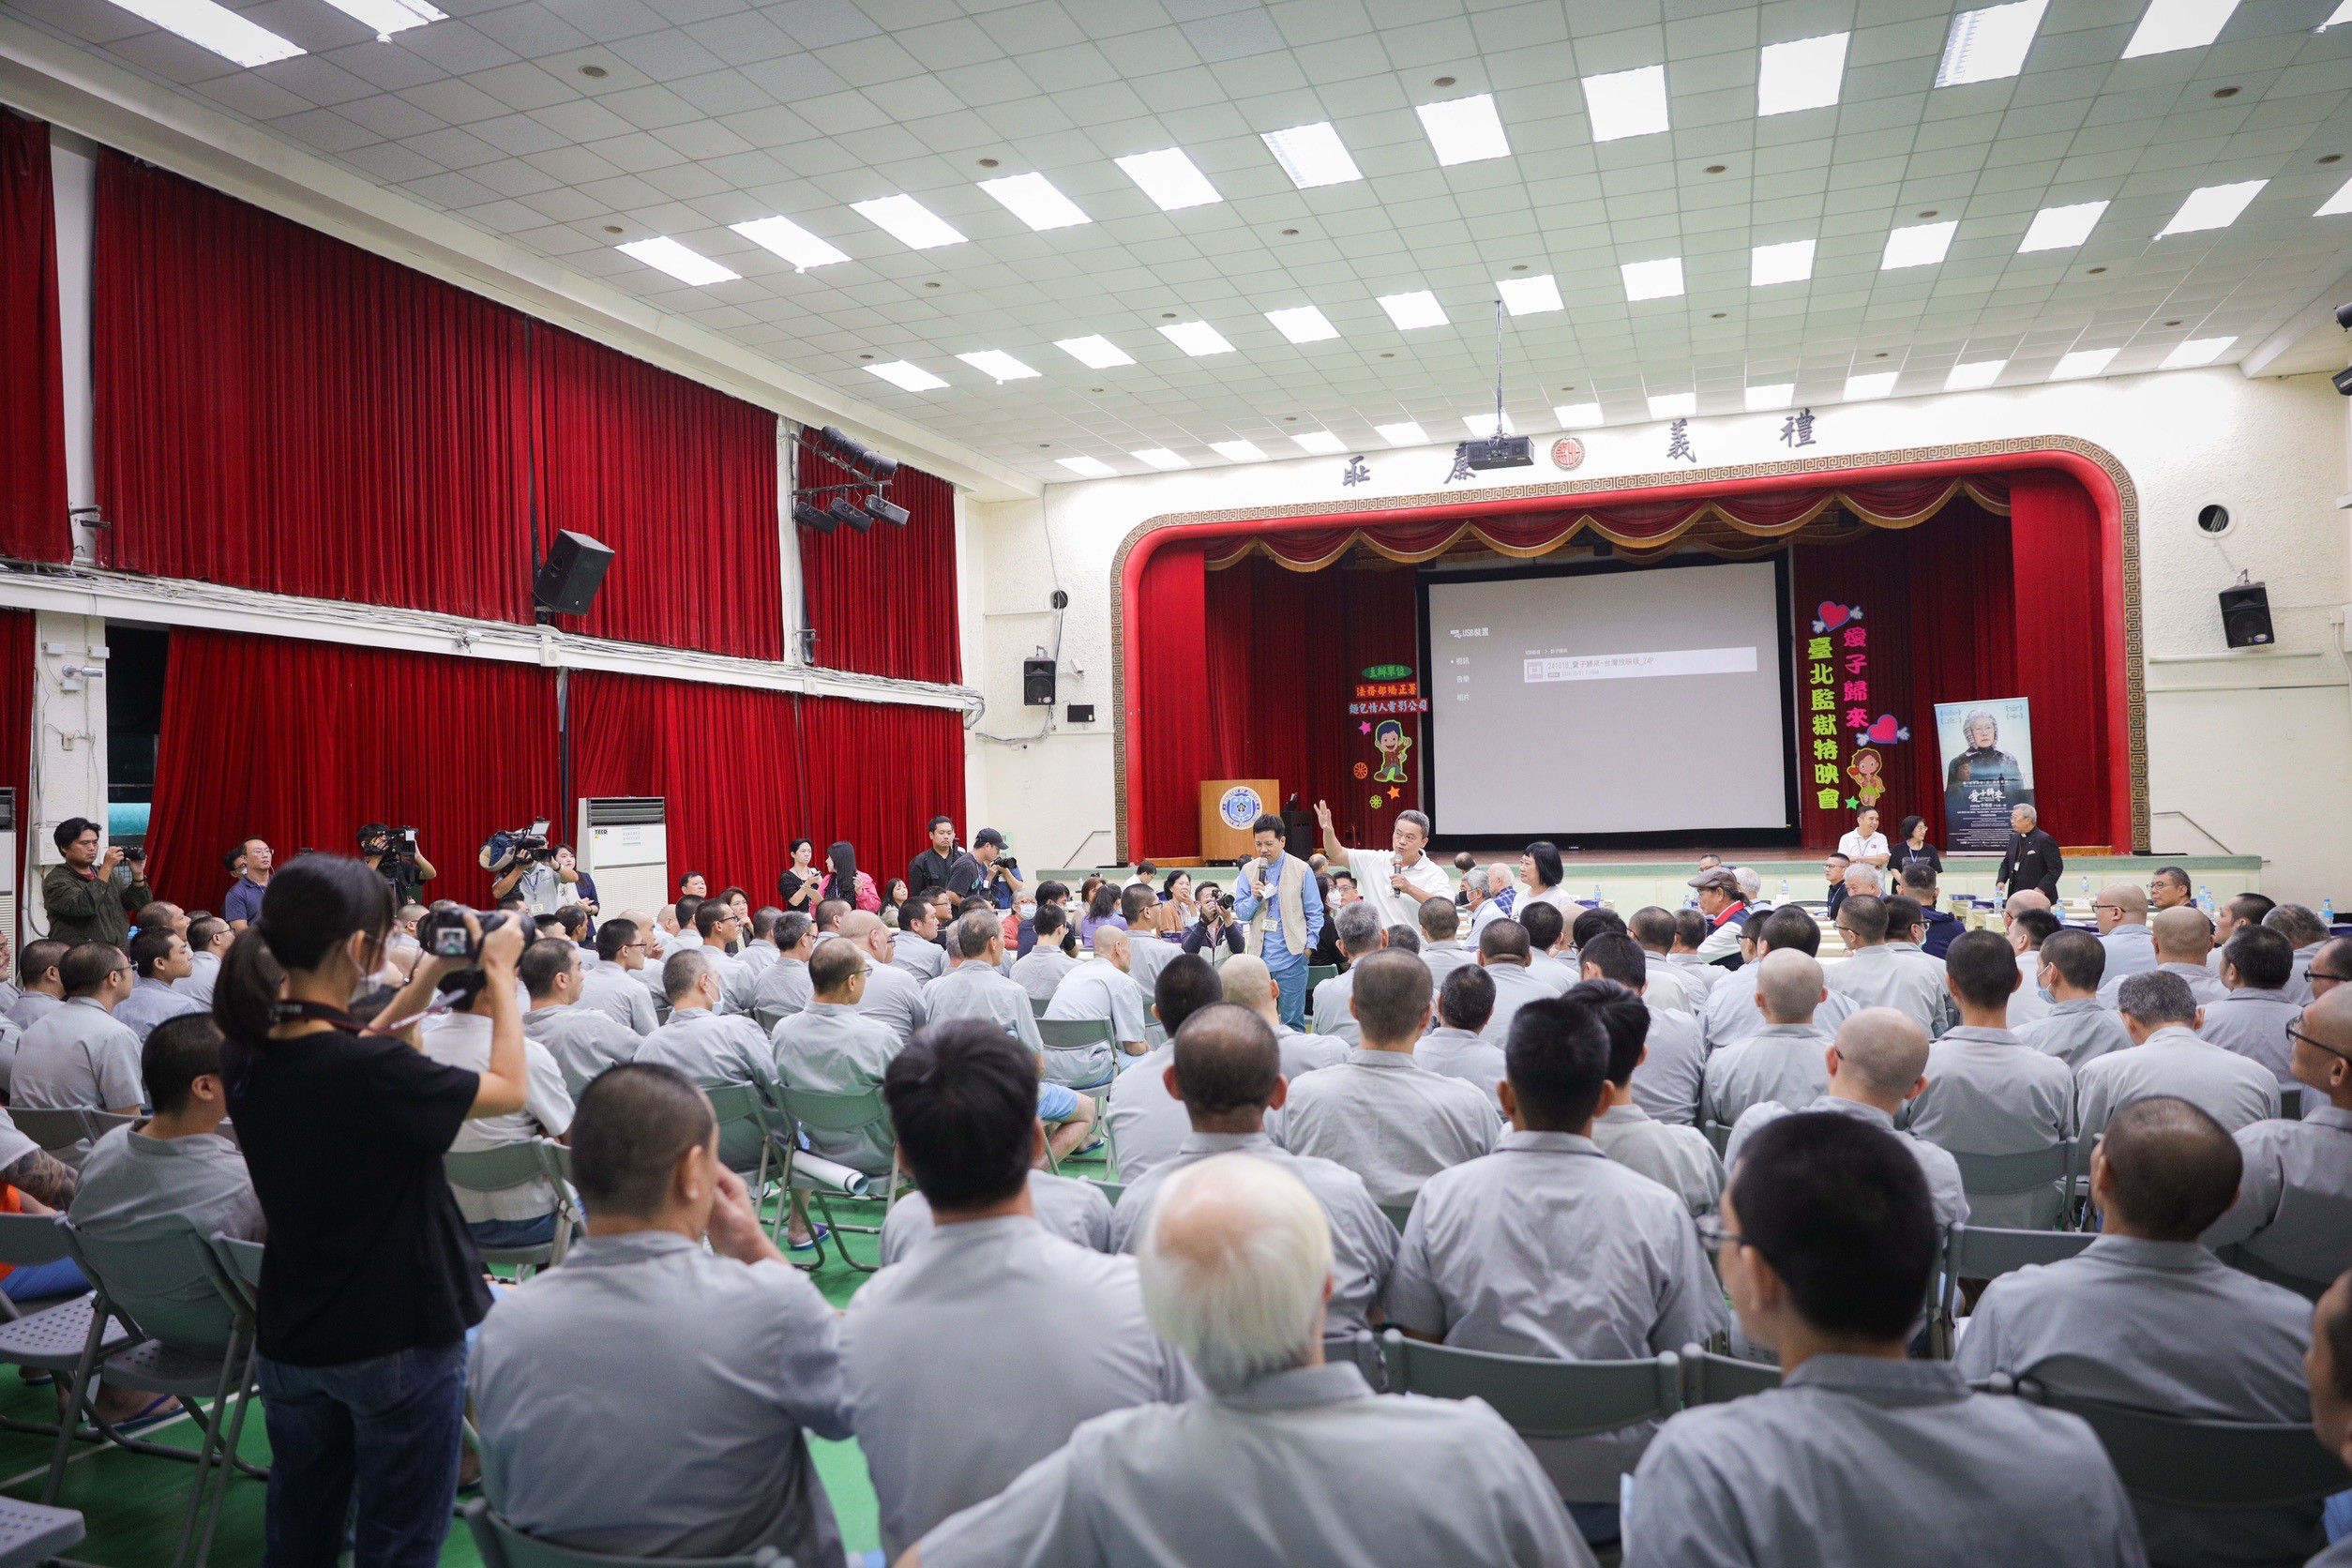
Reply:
x=503, y=851
x=389, y=843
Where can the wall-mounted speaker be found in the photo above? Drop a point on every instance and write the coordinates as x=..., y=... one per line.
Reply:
x=1081, y=712
x=1037, y=682
x=570, y=575
x=2246, y=615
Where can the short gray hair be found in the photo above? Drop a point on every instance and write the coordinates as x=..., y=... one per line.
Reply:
x=1357, y=926
x=2154, y=999
x=1418, y=819
x=1863, y=877
x=681, y=970
x=1235, y=1258
x=2029, y=812
x=1750, y=881
x=974, y=931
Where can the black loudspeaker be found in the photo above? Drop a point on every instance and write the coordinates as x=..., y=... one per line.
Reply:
x=1037, y=682
x=2246, y=616
x=570, y=576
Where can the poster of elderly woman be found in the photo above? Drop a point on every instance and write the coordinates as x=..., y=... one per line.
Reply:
x=1988, y=770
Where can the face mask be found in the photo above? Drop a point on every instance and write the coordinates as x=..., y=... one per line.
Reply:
x=1029, y=912
x=2043, y=992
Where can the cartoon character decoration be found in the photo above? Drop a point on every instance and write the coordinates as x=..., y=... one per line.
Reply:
x=1868, y=771
x=1390, y=738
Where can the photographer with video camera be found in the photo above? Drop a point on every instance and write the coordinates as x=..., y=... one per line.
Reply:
x=371, y=1279
x=524, y=865
x=391, y=852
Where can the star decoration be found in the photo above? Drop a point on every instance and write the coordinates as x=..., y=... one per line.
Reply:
x=1393, y=793
x=1851, y=803
x=1364, y=728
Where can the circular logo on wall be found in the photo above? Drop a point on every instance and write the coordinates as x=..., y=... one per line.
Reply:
x=1239, y=806
x=1567, y=452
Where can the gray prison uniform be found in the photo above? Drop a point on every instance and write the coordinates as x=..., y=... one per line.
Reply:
x=1664, y=985
x=1667, y=1084
x=650, y=1399
x=1945, y=1193
x=2202, y=984
x=1989, y=1094
x=149, y=1004
x=974, y=990
x=1303, y=1468
x=1392, y=1122
x=920, y=957
x=2226, y=1086
x=2253, y=1024
x=1443, y=959
x=1306, y=1054
x=463, y=1040
x=619, y=995
x=2294, y=1207
x=1547, y=1247
x=1363, y=1241
x=1457, y=1053
x=204, y=971
x=1098, y=988
x=32, y=1007
x=1732, y=1016
x=829, y=1047
x=1328, y=1013
x=1698, y=978
x=757, y=956
x=2161, y=1326
x=1075, y=1210
x=714, y=1049
x=1045, y=1334
x=2076, y=1031
x=1902, y=978
x=1040, y=970
x=78, y=1057
x=783, y=990
x=584, y=1040
x=1676, y=1155
x=1784, y=1061
x=1145, y=1122
x=131, y=1178
x=2130, y=950
x=1147, y=954
x=1854, y=1460
x=894, y=999
x=1516, y=986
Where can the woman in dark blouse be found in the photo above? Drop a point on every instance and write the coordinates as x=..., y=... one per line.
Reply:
x=1911, y=848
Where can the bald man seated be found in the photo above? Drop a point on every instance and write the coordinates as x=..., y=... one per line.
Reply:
x=2121, y=910
x=1878, y=1065
x=1102, y=987
x=1730, y=1015
x=2183, y=939
x=1249, y=983
x=893, y=996
x=1989, y=1092
x=1780, y=1059
x=1292, y=1460
x=2293, y=1216
x=2206, y=1340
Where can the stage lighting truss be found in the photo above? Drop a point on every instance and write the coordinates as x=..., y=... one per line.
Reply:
x=860, y=503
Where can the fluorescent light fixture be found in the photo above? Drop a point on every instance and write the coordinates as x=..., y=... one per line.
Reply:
x=1764, y=400
x=2212, y=207
x=1237, y=451
x=1096, y=352
x=388, y=17
x=1626, y=103
x=1673, y=405
x=1483, y=425
x=1410, y=434
x=1033, y=199
x=1919, y=244
x=688, y=266
x=1160, y=457
x=908, y=221
x=1411, y=311
x=2170, y=25
x=789, y=240
x=1197, y=338
x=1312, y=155
x=1987, y=45
x=1577, y=416
x=2082, y=363
x=2342, y=200
x=1879, y=384
x=1975, y=375
x=2200, y=351
x=1801, y=75
x=907, y=376
x=1464, y=130
x=215, y=27
x=1092, y=468
x=1530, y=296
x=998, y=364
x=1653, y=280
x=1302, y=324
x=1788, y=262
x=2061, y=228
x=1322, y=443
x=1168, y=177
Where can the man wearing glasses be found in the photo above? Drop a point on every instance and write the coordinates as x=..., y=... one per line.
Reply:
x=2294, y=1207
x=2330, y=966
x=78, y=1057
x=582, y=1039
x=611, y=987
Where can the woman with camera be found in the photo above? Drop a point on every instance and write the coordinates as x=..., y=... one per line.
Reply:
x=370, y=1282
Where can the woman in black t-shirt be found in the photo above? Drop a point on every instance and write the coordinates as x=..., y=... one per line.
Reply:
x=370, y=1280
x=1911, y=848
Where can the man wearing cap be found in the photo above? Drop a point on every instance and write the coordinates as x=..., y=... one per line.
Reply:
x=1721, y=903
x=1000, y=874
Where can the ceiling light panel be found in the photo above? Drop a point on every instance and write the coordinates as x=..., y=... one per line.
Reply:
x=908, y=221
x=1168, y=178
x=995, y=363
x=2061, y=228
x=388, y=17
x=1879, y=384
x=1975, y=376
x=1989, y=44
x=1405, y=434
x=1801, y=75
x=1197, y=338
x=1464, y=130
x=2212, y=207
x=1302, y=324
x=1160, y=458
x=1673, y=405
x=1034, y=200
x=788, y=239
x=1767, y=399
x=2170, y=25
x=2082, y=363
x=1577, y=416
x=2342, y=200
x=1626, y=103
x=1661, y=279
x=907, y=376
x=1096, y=352
x=1322, y=443
x=1530, y=296
x=1481, y=426
x=1791, y=261
x=1919, y=244
x=215, y=27
x=1416, y=309
x=2197, y=351
x=667, y=255
x=1237, y=451
x=1312, y=155
x=1092, y=468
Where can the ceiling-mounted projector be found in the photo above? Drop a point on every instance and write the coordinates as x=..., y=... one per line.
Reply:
x=1499, y=451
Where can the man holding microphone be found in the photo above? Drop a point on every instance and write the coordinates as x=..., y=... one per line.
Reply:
x=1279, y=882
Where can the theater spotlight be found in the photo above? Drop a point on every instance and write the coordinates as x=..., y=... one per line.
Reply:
x=845, y=511
x=851, y=453
x=885, y=511
x=815, y=520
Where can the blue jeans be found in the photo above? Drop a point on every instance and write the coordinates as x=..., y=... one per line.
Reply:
x=1290, y=977
x=385, y=1429
x=536, y=1232
x=60, y=1276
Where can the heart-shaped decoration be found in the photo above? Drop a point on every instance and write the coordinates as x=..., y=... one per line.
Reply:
x=1832, y=614
x=1885, y=731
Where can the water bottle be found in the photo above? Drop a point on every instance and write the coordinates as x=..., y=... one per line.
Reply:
x=1596, y=895
x=2328, y=912
x=2086, y=890
x=1784, y=890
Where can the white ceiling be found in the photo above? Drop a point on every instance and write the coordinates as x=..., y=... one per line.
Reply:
x=718, y=112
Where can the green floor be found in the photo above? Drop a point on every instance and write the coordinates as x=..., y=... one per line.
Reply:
x=132, y=1503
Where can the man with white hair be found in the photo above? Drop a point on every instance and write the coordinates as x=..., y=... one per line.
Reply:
x=1875, y=973
x=1293, y=1461
x=1102, y=988
x=1249, y=983
x=1782, y=1060
x=2031, y=857
x=1480, y=884
x=1356, y=928
x=893, y=997
x=1861, y=877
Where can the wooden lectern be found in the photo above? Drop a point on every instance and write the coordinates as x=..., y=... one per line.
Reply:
x=1228, y=807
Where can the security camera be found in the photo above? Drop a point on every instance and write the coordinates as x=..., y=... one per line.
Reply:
x=2344, y=317
x=2344, y=381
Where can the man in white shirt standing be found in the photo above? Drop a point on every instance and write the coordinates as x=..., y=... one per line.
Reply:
x=1396, y=880
x=1863, y=844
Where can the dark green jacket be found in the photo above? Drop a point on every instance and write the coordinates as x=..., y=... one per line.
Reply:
x=84, y=910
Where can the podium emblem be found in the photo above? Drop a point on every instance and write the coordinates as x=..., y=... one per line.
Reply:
x=1239, y=806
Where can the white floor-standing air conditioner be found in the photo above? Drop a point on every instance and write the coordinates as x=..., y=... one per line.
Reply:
x=624, y=844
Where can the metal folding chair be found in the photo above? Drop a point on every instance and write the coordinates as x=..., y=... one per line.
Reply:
x=817, y=1110
x=2183, y=1463
x=1988, y=1252
x=503, y=1170
x=55, y=1339
x=1708, y=1379
x=1038, y=1005
x=502, y=1545
x=32, y=1532
x=2246, y=1262
x=55, y=1131
x=2290, y=1102
x=2004, y=1175
x=1081, y=1053
x=1718, y=1134
x=1398, y=1213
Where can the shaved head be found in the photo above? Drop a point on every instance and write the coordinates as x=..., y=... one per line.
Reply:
x=2024, y=899
x=860, y=924
x=2129, y=898
x=2171, y=1169
x=1789, y=983
x=1111, y=942
x=1885, y=1051
x=1249, y=983
x=2183, y=935
x=2326, y=1067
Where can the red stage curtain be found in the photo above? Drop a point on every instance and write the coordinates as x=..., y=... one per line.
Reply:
x=884, y=602
x=280, y=409
x=1169, y=714
x=2069, y=620
x=876, y=771
x=298, y=743
x=17, y=680
x=678, y=480
x=33, y=525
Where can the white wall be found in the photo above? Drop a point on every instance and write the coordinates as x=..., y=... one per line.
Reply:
x=2259, y=762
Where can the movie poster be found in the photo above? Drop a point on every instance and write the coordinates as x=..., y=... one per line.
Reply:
x=1988, y=771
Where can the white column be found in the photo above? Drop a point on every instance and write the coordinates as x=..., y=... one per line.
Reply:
x=73, y=180
x=69, y=771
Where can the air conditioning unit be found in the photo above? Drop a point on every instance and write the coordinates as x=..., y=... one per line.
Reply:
x=10, y=867
x=624, y=843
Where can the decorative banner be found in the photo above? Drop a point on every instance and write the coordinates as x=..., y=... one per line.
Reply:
x=1387, y=689
x=1988, y=770
x=1388, y=696
x=1837, y=701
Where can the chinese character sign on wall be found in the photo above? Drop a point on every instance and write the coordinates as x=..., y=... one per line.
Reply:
x=1844, y=763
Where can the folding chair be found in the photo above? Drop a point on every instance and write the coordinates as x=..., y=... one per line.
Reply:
x=1718, y=1134
x=1316, y=975
x=1038, y=1005
x=1112, y=1190
x=57, y=1340
x=1988, y=1252
x=194, y=1341
x=502, y=1545
x=1398, y=1213
x=1081, y=1053
x=1543, y=1398
x=2005, y=1175
x=31, y=1532
x=1708, y=1379
x=2226, y=1465
x=1362, y=1353
x=55, y=1131
x=2290, y=1102
x=2246, y=1262
x=503, y=1170
x=817, y=1110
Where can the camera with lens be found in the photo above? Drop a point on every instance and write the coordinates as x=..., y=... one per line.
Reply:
x=443, y=931
x=503, y=851
x=390, y=845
